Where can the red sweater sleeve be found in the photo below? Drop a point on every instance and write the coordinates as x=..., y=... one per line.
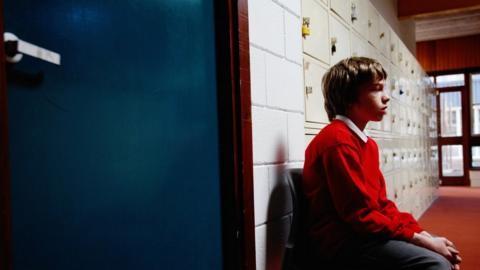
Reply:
x=391, y=210
x=354, y=198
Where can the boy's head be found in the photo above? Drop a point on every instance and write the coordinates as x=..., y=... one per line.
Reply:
x=344, y=82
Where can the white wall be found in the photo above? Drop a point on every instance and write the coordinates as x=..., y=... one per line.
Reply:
x=278, y=119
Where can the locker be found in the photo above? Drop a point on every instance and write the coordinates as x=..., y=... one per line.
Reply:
x=393, y=116
x=390, y=187
x=314, y=101
x=359, y=16
x=309, y=138
x=325, y=2
x=393, y=47
x=372, y=24
x=396, y=157
x=402, y=121
x=339, y=40
x=358, y=45
x=394, y=83
x=383, y=37
x=387, y=121
x=342, y=8
x=316, y=44
x=387, y=159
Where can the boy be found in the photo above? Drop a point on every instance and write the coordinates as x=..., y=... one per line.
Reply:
x=351, y=224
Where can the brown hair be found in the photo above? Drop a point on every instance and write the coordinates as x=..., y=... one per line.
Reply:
x=343, y=81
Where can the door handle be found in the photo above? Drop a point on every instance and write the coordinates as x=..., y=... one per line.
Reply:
x=15, y=48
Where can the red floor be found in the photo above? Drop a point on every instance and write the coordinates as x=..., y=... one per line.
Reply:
x=456, y=215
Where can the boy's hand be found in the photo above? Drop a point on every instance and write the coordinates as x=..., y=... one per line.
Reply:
x=437, y=244
x=456, y=259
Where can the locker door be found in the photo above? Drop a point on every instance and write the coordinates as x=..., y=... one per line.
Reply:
x=384, y=37
x=393, y=47
x=357, y=44
x=114, y=153
x=314, y=101
x=340, y=41
x=359, y=16
x=342, y=8
x=317, y=44
x=372, y=24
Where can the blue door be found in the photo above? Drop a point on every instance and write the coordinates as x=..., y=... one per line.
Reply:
x=114, y=153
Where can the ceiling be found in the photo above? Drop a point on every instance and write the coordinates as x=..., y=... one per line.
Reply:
x=440, y=19
x=447, y=25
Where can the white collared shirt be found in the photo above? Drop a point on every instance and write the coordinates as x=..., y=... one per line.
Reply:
x=353, y=127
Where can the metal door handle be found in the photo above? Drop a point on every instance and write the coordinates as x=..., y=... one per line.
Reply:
x=15, y=48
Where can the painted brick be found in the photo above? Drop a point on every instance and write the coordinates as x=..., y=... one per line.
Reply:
x=261, y=193
x=284, y=84
x=270, y=243
x=257, y=76
x=261, y=247
x=296, y=137
x=266, y=27
x=293, y=38
x=269, y=135
x=280, y=197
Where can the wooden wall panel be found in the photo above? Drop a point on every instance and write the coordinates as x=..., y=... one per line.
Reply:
x=418, y=9
x=449, y=54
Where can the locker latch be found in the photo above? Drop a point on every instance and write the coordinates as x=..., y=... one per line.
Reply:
x=354, y=12
x=334, y=47
x=308, y=90
x=306, y=27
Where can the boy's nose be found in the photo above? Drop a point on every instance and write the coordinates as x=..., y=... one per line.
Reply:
x=386, y=98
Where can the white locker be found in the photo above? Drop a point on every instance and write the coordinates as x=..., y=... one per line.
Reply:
x=393, y=47
x=314, y=101
x=390, y=187
x=315, y=18
x=342, y=8
x=325, y=2
x=383, y=37
x=359, y=16
x=372, y=24
x=358, y=45
x=309, y=138
x=339, y=41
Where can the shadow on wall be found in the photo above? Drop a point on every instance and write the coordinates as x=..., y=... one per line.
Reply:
x=279, y=214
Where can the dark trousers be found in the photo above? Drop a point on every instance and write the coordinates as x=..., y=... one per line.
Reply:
x=389, y=255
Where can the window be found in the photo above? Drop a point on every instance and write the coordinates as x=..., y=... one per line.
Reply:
x=450, y=80
x=475, y=99
x=476, y=156
x=451, y=113
x=452, y=160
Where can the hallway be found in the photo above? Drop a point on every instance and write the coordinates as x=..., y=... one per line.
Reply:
x=456, y=215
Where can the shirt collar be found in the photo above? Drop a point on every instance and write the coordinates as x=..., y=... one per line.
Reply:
x=353, y=127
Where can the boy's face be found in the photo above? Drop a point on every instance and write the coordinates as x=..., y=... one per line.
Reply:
x=372, y=102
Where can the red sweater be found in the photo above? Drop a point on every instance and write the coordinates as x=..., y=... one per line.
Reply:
x=346, y=192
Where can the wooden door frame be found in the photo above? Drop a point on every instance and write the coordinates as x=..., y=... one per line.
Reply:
x=462, y=140
x=235, y=135
x=467, y=140
x=234, y=108
x=5, y=221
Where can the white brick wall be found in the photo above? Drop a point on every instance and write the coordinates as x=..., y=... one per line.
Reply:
x=277, y=119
